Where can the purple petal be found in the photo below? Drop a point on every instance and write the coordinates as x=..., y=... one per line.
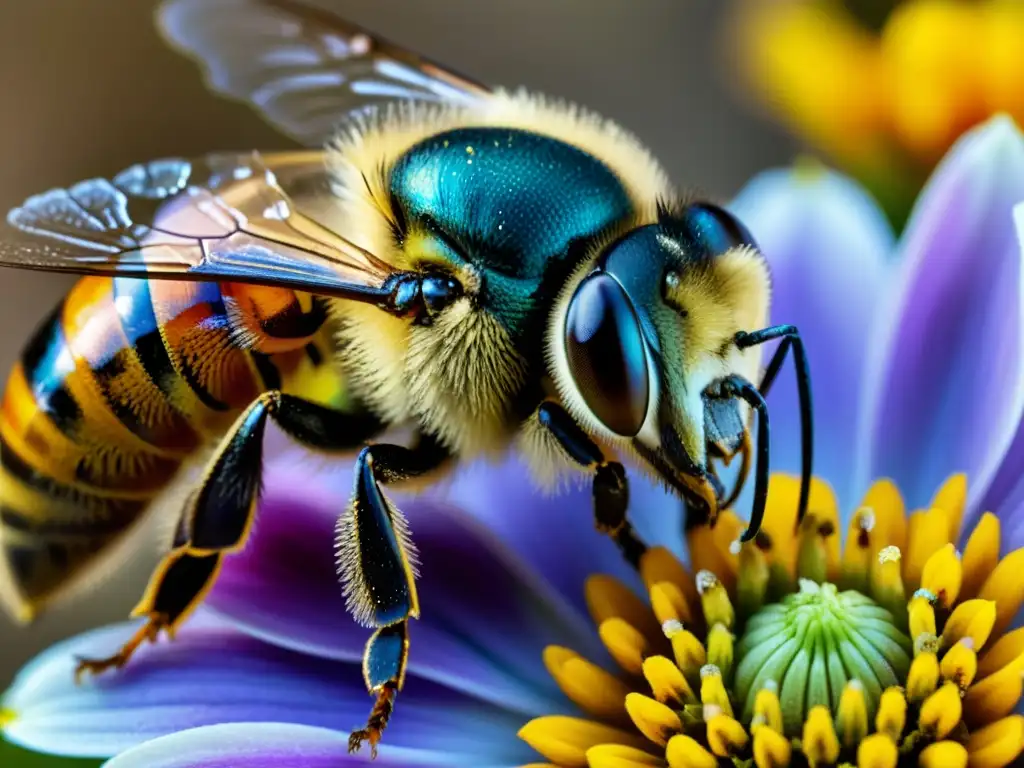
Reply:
x=828, y=245
x=1005, y=495
x=554, y=532
x=273, y=745
x=486, y=617
x=947, y=386
x=213, y=674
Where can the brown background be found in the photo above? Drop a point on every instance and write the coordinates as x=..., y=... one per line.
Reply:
x=86, y=88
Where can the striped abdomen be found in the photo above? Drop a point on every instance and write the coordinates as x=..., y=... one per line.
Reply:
x=120, y=385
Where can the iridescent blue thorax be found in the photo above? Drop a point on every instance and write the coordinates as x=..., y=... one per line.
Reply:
x=509, y=202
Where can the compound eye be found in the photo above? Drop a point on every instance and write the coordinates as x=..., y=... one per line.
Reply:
x=606, y=354
x=714, y=230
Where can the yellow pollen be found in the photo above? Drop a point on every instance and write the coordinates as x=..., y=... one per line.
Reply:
x=792, y=650
x=7, y=717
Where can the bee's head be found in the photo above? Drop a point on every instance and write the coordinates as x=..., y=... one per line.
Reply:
x=648, y=326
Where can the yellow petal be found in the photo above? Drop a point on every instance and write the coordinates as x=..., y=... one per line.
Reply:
x=771, y=749
x=726, y=736
x=952, y=497
x=626, y=645
x=883, y=498
x=943, y=754
x=565, y=740
x=973, y=619
x=877, y=751
x=596, y=691
x=1006, y=587
x=892, y=713
x=668, y=603
x=609, y=598
x=1005, y=650
x=994, y=697
x=619, y=756
x=658, y=565
x=929, y=532
x=981, y=555
x=653, y=719
x=942, y=576
x=707, y=552
x=668, y=684
x=998, y=744
x=684, y=752
x=862, y=542
x=941, y=711
x=960, y=664
x=820, y=743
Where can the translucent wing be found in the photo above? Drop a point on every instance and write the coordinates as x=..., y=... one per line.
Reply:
x=301, y=66
x=221, y=217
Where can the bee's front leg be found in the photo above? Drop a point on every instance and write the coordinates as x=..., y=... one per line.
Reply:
x=377, y=562
x=611, y=487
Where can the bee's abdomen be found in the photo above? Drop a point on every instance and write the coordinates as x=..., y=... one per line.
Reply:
x=120, y=384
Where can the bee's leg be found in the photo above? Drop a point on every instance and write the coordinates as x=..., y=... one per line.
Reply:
x=611, y=488
x=217, y=518
x=790, y=341
x=377, y=561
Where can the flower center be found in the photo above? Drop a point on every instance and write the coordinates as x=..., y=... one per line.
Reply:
x=811, y=644
x=885, y=652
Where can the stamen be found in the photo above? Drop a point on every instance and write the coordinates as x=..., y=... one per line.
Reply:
x=712, y=691
x=726, y=736
x=941, y=711
x=887, y=584
x=689, y=653
x=877, y=751
x=686, y=752
x=929, y=532
x=943, y=575
x=819, y=737
x=751, y=580
x=923, y=677
x=852, y=716
x=974, y=619
x=668, y=684
x=861, y=545
x=944, y=754
x=812, y=555
x=653, y=719
x=892, y=713
x=768, y=708
x=720, y=650
x=714, y=600
x=960, y=664
x=771, y=748
x=921, y=614
x=668, y=603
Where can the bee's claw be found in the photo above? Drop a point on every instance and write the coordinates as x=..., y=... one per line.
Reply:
x=355, y=741
x=148, y=632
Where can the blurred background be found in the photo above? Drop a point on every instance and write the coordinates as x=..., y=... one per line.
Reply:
x=88, y=88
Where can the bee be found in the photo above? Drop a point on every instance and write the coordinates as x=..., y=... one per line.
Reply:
x=493, y=270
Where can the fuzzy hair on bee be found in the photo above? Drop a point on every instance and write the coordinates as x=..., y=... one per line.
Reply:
x=453, y=273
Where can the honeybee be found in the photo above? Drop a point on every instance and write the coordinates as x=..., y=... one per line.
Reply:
x=492, y=269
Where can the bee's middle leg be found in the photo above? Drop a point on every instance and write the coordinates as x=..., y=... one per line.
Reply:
x=217, y=518
x=376, y=561
x=610, y=485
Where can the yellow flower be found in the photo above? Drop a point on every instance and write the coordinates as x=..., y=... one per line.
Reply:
x=881, y=100
x=788, y=651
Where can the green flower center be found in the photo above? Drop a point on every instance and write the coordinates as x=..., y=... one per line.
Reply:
x=814, y=642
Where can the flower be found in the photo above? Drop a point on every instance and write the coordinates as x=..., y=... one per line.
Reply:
x=917, y=361
x=894, y=647
x=884, y=88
